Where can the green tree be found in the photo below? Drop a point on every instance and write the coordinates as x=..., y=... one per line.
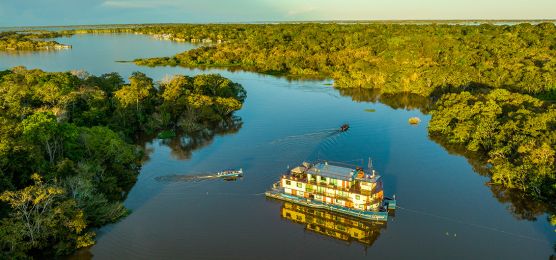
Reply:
x=43, y=128
x=42, y=218
x=112, y=163
x=138, y=91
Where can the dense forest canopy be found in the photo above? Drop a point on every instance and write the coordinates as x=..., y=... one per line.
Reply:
x=394, y=58
x=516, y=132
x=67, y=152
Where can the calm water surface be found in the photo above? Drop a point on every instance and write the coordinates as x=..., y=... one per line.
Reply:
x=447, y=211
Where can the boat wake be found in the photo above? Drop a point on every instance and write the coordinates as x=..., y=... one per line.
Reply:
x=316, y=136
x=305, y=145
x=190, y=178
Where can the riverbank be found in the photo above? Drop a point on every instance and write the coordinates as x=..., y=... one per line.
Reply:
x=69, y=148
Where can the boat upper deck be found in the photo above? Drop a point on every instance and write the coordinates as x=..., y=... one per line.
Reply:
x=325, y=169
x=332, y=171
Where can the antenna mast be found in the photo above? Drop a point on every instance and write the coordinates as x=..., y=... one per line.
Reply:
x=370, y=166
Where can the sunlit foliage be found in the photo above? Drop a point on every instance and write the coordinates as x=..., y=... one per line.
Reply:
x=12, y=41
x=67, y=158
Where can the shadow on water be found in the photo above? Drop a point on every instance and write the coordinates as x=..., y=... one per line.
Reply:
x=521, y=204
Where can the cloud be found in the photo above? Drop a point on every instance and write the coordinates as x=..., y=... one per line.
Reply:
x=301, y=10
x=138, y=4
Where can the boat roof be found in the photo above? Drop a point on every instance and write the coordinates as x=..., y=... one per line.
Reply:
x=369, y=178
x=332, y=171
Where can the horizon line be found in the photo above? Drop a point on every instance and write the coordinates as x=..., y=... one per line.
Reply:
x=296, y=21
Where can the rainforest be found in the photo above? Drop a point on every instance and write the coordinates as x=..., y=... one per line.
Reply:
x=72, y=144
x=68, y=153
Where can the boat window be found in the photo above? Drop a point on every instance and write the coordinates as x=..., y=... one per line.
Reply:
x=288, y=182
x=357, y=197
x=299, y=185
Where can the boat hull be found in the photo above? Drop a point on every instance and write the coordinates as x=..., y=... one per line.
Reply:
x=368, y=215
x=230, y=174
x=234, y=175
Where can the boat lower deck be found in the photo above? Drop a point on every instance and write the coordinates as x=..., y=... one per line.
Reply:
x=368, y=215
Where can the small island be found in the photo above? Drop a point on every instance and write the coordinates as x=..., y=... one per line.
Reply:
x=15, y=41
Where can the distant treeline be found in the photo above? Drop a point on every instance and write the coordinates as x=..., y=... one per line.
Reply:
x=11, y=41
x=394, y=58
x=202, y=33
x=67, y=147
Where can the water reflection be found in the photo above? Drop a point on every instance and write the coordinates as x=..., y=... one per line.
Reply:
x=477, y=161
x=185, y=143
x=31, y=52
x=407, y=101
x=332, y=224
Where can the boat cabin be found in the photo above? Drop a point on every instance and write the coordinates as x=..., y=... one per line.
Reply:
x=335, y=184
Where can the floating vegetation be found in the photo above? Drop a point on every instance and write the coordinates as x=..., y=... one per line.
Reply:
x=414, y=120
x=370, y=110
x=166, y=134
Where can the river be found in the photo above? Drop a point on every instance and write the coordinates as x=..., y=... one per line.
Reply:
x=446, y=210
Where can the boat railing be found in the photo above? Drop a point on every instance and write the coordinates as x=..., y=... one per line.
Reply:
x=331, y=186
x=335, y=196
x=357, y=189
x=353, y=189
x=354, y=166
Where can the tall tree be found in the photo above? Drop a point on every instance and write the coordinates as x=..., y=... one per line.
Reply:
x=43, y=217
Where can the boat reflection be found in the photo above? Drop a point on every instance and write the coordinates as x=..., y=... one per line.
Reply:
x=333, y=225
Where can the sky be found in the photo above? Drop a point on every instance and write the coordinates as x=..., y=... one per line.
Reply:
x=76, y=12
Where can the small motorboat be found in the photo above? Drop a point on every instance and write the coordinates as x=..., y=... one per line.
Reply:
x=344, y=127
x=230, y=174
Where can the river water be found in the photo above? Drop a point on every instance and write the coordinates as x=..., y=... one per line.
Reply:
x=446, y=210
